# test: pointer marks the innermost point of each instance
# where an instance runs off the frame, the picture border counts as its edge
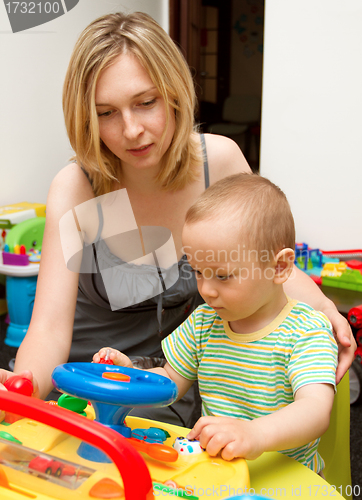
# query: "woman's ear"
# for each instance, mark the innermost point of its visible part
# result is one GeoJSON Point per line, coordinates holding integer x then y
{"type": "Point", "coordinates": [284, 261]}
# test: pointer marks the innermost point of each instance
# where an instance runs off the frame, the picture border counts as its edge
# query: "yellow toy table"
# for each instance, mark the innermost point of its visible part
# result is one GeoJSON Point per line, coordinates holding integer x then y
{"type": "Point", "coordinates": [54, 453]}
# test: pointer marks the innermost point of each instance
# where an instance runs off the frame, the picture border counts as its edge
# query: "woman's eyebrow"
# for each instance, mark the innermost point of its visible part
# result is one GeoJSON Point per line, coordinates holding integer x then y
{"type": "Point", "coordinates": [132, 97]}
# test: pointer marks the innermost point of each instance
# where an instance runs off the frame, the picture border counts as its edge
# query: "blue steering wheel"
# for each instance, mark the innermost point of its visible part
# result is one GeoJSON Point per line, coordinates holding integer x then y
{"type": "Point", "coordinates": [113, 399]}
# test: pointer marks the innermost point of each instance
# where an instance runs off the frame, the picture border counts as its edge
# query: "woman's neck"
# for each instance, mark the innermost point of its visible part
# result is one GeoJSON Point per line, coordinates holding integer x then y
{"type": "Point", "coordinates": [139, 181]}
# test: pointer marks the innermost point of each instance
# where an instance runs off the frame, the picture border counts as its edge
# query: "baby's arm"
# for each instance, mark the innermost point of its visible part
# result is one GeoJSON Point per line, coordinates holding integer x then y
{"type": "Point", "coordinates": [120, 359]}
{"type": "Point", "coordinates": [304, 420]}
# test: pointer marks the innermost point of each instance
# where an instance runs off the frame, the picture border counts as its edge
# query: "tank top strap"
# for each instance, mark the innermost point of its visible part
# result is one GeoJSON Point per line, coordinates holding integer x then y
{"type": "Point", "coordinates": [101, 222]}
{"type": "Point", "coordinates": [206, 163]}
{"type": "Point", "coordinates": [85, 173]}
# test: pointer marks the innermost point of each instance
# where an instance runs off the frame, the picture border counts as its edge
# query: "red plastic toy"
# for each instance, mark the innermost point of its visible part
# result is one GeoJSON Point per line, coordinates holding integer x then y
{"type": "Point", "coordinates": [134, 472]}
{"type": "Point", "coordinates": [20, 385]}
{"type": "Point", "coordinates": [355, 372]}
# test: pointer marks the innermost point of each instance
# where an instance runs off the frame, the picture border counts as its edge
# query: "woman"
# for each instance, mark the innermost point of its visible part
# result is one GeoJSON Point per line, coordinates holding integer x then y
{"type": "Point", "coordinates": [129, 111]}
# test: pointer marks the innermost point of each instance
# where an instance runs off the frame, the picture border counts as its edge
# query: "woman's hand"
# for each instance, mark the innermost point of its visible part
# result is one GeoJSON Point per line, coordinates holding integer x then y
{"type": "Point", "coordinates": [6, 375]}
{"type": "Point", "coordinates": [114, 355]}
{"type": "Point", "coordinates": [301, 287]}
{"type": "Point", "coordinates": [231, 436]}
{"type": "Point", "coordinates": [344, 338]}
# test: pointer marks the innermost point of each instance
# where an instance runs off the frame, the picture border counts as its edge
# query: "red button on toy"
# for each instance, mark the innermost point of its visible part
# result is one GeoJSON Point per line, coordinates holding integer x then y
{"type": "Point", "coordinates": [20, 385]}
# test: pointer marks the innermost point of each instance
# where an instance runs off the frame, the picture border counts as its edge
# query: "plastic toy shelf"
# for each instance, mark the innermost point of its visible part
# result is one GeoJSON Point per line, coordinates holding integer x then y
{"type": "Point", "coordinates": [23, 271]}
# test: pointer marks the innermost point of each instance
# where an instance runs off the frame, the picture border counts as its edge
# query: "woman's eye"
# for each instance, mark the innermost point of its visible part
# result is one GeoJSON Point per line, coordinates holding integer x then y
{"type": "Point", "coordinates": [147, 104]}
{"type": "Point", "coordinates": [105, 114]}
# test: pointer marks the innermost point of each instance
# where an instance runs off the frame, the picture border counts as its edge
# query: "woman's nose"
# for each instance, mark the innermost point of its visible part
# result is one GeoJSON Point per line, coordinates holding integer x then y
{"type": "Point", "coordinates": [132, 126]}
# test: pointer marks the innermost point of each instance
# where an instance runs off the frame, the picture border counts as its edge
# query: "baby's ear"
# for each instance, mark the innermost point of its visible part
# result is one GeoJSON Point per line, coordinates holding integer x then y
{"type": "Point", "coordinates": [284, 261]}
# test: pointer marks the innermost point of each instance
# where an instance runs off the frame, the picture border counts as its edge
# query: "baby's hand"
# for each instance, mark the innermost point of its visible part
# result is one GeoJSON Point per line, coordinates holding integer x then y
{"type": "Point", "coordinates": [117, 357]}
{"type": "Point", "coordinates": [232, 436]}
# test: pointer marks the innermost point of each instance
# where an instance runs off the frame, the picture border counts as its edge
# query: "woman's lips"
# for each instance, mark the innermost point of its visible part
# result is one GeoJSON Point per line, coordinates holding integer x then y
{"type": "Point", "coordinates": [142, 151]}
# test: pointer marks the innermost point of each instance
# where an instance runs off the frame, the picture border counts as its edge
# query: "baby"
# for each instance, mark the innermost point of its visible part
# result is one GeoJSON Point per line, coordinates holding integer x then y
{"type": "Point", "coordinates": [265, 363]}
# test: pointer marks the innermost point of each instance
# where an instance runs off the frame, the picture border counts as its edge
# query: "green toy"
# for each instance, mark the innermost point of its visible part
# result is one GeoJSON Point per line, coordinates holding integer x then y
{"type": "Point", "coordinates": [28, 233]}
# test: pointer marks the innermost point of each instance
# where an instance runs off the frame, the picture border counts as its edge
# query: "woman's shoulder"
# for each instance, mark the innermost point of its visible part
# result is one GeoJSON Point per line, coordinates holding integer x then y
{"type": "Point", "coordinates": [72, 184]}
{"type": "Point", "coordinates": [69, 188]}
{"type": "Point", "coordinates": [224, 157]}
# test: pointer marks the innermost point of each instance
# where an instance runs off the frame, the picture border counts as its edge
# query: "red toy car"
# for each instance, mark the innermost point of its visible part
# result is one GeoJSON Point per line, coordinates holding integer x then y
{"type": "Point", "coordinates": [51, 467]}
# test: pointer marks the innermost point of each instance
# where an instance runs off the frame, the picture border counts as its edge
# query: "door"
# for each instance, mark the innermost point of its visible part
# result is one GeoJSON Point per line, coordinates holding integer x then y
{"type": "Point", "coordinates": [202, 29]}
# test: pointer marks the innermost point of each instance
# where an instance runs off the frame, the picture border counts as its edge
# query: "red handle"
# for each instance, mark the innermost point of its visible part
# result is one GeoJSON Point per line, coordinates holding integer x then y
{"type": "Point", "coordinates": [133, 469]}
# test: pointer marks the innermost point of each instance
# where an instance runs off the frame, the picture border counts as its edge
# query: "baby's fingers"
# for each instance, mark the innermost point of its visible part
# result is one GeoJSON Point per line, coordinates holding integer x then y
{"type": "Point", "coordinates": [98, 356]}
{"type": "Point", "coordinates": [121, 359]}
{"type": "Point", "coordinates": [216, 443]}
{"type": "Point", "coordinates": [199, 426]}
{"type": "Point", "coordinates": [115, 357]}
{"type": "Point", "coordinates": [104, 354]}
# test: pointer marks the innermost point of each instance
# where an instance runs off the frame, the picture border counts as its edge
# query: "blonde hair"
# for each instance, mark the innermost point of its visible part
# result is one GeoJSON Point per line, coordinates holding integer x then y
{"type": "Point", "coordinates": [97, 47]}
{"type": "Point", "coordinates": [260, 208]}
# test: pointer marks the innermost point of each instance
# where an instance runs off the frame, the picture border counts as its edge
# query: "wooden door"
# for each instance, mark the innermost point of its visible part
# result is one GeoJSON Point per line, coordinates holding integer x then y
{"type": "Point", "coordinates": [185, 27]}
{"type": "Point", "coordinates": [202, 29]}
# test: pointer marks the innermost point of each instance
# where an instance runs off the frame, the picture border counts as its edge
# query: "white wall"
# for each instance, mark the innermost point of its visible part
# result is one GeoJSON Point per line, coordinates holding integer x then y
{"type": "Point", "coordinates": [312, 116]}
{"type": "Point", "coordinates": [33, 141]}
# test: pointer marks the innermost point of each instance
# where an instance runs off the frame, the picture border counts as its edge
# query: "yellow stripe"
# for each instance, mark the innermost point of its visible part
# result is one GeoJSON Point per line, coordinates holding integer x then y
{"type": "Point", "coordinates": [245, 385]}
{"type": "Point", "coordinates": [247, 404]}
{"type": "Point", "coordinates": [306, 370]}
{"type": "Point", "coordinates": [232, 363]}
{"type": "Point", "coordinates": [268, 348]}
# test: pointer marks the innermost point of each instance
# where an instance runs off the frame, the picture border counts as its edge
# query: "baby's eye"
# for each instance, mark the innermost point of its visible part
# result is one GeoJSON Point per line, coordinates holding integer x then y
{"type": "Point", "coordinates": [222, 277]}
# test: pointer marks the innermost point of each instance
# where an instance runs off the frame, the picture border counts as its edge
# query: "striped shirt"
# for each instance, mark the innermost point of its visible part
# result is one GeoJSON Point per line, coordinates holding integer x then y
{"type": "Point", "coordinates": [250, 375]}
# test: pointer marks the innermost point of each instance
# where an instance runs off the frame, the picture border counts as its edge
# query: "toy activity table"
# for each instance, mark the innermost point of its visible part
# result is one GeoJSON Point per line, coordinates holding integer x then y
{"type": "Point", "coordinates": [41, 455]}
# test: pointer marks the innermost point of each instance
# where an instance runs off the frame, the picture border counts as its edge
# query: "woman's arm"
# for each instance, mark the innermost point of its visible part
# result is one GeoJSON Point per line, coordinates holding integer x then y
{"type": "Point", "coordinates": [48, 340]}
{"type": "Point", "coordinates": [301, 287]}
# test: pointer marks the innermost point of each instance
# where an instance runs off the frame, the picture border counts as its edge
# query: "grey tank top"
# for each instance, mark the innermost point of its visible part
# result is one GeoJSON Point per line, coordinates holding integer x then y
{"type": "Point", "coordinates": [136, 330]}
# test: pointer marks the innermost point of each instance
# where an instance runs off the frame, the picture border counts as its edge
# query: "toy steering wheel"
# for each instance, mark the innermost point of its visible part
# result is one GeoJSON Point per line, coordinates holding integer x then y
{"type": "Point", "coordinates": [114, 390]}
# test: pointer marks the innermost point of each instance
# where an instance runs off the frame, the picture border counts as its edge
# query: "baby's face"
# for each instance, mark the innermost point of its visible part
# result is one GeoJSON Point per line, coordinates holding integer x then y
{"type": "Point", "coordinates": [230, 276]}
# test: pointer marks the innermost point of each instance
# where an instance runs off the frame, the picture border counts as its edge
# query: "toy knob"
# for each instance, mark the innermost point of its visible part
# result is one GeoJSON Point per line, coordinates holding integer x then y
{"type": "Point", "coordinates": [20, 385]}
{"type": "Point", "coordinates": [355, 317]}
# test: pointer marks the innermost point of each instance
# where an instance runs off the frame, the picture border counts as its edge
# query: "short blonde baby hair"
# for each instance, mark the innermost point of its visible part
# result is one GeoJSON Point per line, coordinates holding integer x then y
{"type": "Point", "coordinates": [261, 208]}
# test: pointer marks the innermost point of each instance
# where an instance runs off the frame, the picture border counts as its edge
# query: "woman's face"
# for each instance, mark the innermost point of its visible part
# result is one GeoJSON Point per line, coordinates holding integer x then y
{"type": "Point", "coordinates": [132, 114]}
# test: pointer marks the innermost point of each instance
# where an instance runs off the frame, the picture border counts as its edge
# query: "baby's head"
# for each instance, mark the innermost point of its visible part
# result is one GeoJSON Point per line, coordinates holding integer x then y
{"type": "Point", "coordinates": [240, 232]}
{"type": "Point", "coordinates": [253, 208]}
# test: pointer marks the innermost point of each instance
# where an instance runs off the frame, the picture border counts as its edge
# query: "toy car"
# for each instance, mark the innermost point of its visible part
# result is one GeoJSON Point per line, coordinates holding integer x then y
{"type": "Point", "coordinates": [50, 466]}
